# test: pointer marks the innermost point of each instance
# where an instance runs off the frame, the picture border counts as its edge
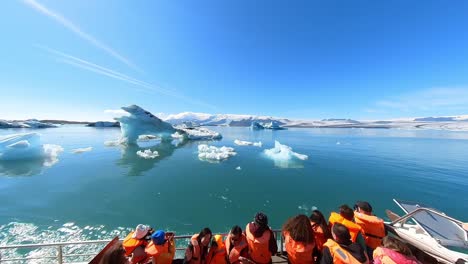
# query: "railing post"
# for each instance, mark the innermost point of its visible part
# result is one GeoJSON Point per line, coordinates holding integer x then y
{"type": "Point", "coordinates": [60, 255]}
{"type": "Point", "coordinates": [281, 241]}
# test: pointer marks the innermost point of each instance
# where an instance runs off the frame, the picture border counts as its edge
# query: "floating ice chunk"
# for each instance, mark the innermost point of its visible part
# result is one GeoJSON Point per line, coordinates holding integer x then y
{"type": "Point", "coordinates": [198, 133]}
{"type": "Point", "coordinates": [283, 153]}
{"type": "Point", "coordinates": [177, 135]}
{"type": "Point", "coordinates": [147, 137]}
{"type": "Point", "coordinates": [247, 143]}
{"type": "Point", "coordinates": [148, 154]}
{"type": "Point", "coordinates": [206, 152]}
{"type": "Point", "coordinates": [113, 143]}
{"type": "Point", "coordinates": [238, 168]}
{"type": "Point", "coordinates": [81, 150]}
{"type": "Point", "coordinates": [338, 143]}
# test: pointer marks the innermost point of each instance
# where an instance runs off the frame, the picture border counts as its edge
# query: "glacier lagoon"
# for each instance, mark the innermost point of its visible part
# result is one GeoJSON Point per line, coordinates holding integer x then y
{"type": "Point", "coordinates": [106, 191]}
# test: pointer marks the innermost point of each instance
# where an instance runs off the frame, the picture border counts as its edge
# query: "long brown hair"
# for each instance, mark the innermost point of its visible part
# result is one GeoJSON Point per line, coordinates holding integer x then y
{"type": "Point", "coordinates": [300, 229]}
{"type": "Point", "coordinates": [318, 219]}
{"type": "Point", "coordinates": [396, 245]}
{"type": "Point", "coordinates": [115, 255]}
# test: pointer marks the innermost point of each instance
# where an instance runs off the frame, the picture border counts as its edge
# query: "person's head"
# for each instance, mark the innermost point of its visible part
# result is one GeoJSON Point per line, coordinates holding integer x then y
{"type": "Point", "coordinates": [299, 229]}
{"type": "Point", "coordinates": [115, 255]}
{"type": "Point", "coordinates": [346, 212]}
{"type": "Point", "coordinates": [261, 220]}
{"type": "Point", "coordinates": [158, 237]}
{"type": "Point", "coordinates": [204, 236]}
{"type": "Point", "coordinates": [218, 240]}
{"type": "Point", "coordinates": [340, 233]}
{"type": "Point", "coordinates": [317, 218]}
{"type": "Point", "coordinates": [141, 231]}
{"type": "Point", "coordinates": [235, 233]}
{"type": "Point", "coordinates": [396, 245]}
{"type": "Point", "coordinates": [363, 207]}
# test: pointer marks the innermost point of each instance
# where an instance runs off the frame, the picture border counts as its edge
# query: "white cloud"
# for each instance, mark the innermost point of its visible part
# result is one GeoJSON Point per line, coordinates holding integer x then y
{"type": "Point", "coordinates": [75, 29]}
{"type": "Point", "coordinates": [116, 112]}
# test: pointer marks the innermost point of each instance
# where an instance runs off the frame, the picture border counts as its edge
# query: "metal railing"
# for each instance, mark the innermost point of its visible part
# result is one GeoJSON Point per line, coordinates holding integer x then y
{"type": "Point", "coordinates": [60, 256]}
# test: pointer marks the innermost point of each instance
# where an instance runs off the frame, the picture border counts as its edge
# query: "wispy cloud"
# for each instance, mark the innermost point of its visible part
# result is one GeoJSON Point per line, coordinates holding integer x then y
{"type": "Point", "coordinates": [429, 100]}
{"type": "Point", "coordinates": [98, 69]}
{"type": "Point", "coordinates": [75, 29]}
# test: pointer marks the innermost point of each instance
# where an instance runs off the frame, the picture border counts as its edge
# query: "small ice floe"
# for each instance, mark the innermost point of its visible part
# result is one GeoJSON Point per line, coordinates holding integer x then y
{"type": "Point", "coordinates": [147, 154]}
{"type": "Point", "coordinates": [206, 152]}
{"type": "Point", "coordinates": [81, 150]}
{"type": "Point", "coordinates": [247, 143]}
{"type": "Point", "coordinates": [338, 143]}
{"type": "Point", "coordinates": [283, 152]}
{"type": "Point", "coordinates": [238, 168]}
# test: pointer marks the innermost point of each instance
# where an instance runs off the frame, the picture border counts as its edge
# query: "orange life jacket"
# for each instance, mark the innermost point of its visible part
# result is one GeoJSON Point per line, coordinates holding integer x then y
{"type": "Point", "coordinates": [354, 229]}
{"type": "Point", "coordinates": [236, 250]}
{"type": "Point", "coordinates": [319, 236]}
{"type": "Point", "coordinates": [298, 253]}
{"type": "Point", "coordinates": [163, 254]}
{"type": "Point", "coordinates": [259, 249]}
{"type": "Point", "coordinates": [341, 256]}
{"type": "Point", "coordinates": [373, 227]}
{"type": "Point", "coordinates": [217, 255]}
{"type": "Point", "coordinates": [130, 243]}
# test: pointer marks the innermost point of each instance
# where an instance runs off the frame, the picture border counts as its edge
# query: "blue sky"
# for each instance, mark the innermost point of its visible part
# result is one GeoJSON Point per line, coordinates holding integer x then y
{"type": "Point", "coordinates": [298, 59]}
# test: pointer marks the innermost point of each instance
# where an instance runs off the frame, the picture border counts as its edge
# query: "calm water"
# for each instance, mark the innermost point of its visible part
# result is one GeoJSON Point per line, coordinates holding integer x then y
{"type": "Point", "coordinates": [104, 192]}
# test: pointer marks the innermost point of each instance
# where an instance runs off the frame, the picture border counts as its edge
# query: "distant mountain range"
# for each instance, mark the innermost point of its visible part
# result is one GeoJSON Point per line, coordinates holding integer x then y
{"type": "Point", "coordinates": [233, 120]}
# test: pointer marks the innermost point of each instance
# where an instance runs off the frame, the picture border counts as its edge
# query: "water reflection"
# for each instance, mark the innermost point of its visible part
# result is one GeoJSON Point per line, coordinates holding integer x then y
{"type": "Point", "coordinates": [21, 167]}
{"type": "Point", "coordinates": [138, 165]}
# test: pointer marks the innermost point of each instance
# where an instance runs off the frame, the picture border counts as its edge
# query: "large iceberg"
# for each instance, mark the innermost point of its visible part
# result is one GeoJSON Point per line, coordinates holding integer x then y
{"type": "Point", "coordinates": [274, 125]}
{"type": "Point", "coordinates": [283, 155]}
{"type": "Point", "coordinates": [206, 152]}
{"type": "Point", "coordinates": [141, 122]}
{"type": "Point", "coordinates": [27, 147]}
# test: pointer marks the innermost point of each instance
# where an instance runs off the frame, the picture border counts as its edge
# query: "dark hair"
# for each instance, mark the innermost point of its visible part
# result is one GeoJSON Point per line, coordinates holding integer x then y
{"type": "Point", "coordinates": [114, 255]}
{"type": "Point", "coordinates": [261, 221]}
{"type": "Point", "coordinates": [214, 243]}
{"type": "Point", "coordinates": [341, 233]}
{"type": "Point", "coordinates": [346, 212]}
{"type": "Point", "coordinates": [300, 229]}
{"type": "Point", "coordinates": [205, 231]}
{"type": "Point", "coordinates": [236, 230]}
{"type": "Point", "coordinates": [318, 219]}
{"type": "Point", "coordinates": [364, 206]}
{"type": "Point", "coordinates": [396, 245]}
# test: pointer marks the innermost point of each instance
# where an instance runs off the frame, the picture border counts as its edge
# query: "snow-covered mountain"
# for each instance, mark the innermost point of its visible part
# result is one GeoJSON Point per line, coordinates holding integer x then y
{"type": "Point", "coordinates": [221, 119]}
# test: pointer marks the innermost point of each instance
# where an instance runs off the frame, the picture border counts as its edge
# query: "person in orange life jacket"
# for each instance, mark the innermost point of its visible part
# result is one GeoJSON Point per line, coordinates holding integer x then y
{"type": "Point", "coordinates": [161, 249]}
{"type": "Point", "coordinates": [321, 230]}
{"type": "Point", "coordinates": [372, 226]}
{"type": "Point", "coordinates": [341, 249]}
{"type": "Point", "coordinates": [346, 218]}
{"type": "Point", "coordinates": [136, 241]}
{"type": "Point", "coordinates": [299, 240]}
{"type": "Point", "coordinates": [236, 245]}
{"type": "Point", "coordinates": [261, 239]}
{"type": "Point", "coordinates": [115, 255]}
{"type": "Point", "coordinates": [197, 250]}
{"type": "Point", "coordinates": [217, 251]}
{"type": "Point", "coordinates": [394, 251]}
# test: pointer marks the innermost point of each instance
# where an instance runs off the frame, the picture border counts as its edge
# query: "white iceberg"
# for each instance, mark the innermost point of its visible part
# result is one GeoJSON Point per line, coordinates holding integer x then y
{"type": "Point", "coordinates": [282, 153]}
{"type": "Point", "coordinates": [238, 168]}
{"type": "Point", "coordinates": [200, 133]}
{"type": "Point", "coordinates": [206, 152]}
{"type": "Point", "coordinates": [247, 143]}
{"type": "Point", "coordinates": [141, 122]}
{"type": "Point", "coordinates": [81, 150]}
{"type": "Point", "coordinates": [28, 146]}
{"type": "Point", "coordinates": [148, 154]}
